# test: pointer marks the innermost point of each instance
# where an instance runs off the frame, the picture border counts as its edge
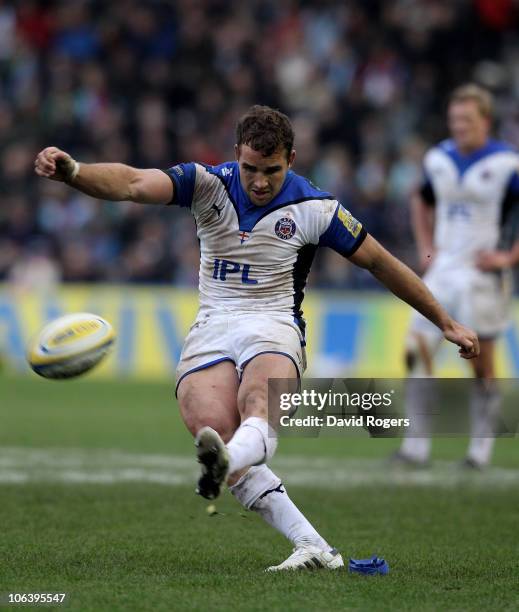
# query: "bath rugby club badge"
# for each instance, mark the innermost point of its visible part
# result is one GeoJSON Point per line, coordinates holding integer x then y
{"type": "Point", "coordinates": [285, 228]}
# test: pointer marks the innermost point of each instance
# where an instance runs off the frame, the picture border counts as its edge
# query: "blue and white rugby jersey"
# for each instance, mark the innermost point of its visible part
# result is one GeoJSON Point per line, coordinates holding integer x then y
{"type": "Point", "coordinates": [472, 195]}
{"type": "Point", "coordinates": [257, 258]}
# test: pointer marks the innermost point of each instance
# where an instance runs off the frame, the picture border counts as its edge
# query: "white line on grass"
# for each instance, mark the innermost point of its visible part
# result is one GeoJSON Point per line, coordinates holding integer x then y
{"type": "Point", "coordinates": [69, 465]}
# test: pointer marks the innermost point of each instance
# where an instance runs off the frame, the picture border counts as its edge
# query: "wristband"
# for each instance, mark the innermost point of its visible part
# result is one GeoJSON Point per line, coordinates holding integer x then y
{"type": "Point", "coordinates": [74, 172]}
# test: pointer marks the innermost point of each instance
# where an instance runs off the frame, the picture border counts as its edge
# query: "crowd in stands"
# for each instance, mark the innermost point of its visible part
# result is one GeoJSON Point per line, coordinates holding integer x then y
{"type": "Point", "coordinates": [154, 83]}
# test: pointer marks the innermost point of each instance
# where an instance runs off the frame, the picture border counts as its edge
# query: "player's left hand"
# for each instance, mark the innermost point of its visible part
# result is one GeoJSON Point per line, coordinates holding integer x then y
{"type": "Point", "coordinates": [487, 261]}
{"type": "Point", "coordinates": [464, 337]}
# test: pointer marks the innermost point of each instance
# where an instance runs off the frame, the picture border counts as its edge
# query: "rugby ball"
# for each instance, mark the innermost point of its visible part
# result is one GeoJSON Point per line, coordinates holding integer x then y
{"type": "Point", "coordinates": [70, 346]}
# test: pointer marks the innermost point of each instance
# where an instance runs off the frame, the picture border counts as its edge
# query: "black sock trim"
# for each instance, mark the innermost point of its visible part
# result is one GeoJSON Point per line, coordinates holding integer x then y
{"type": "Point", "coordinates": [278, 489]}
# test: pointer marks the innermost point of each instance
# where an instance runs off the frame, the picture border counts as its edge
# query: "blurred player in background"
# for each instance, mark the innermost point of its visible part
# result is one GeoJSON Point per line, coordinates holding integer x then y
{"type": "Point", "coordinates": [465, 239]}
{"type": "Point", "coordinates": [259, 226]}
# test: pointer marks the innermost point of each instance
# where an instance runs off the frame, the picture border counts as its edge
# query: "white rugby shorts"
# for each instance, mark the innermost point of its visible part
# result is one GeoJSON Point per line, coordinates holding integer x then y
{"type": "Point", "coordinates": [479, 300]}
{"type": "Point", "coordinates": [238, 337]}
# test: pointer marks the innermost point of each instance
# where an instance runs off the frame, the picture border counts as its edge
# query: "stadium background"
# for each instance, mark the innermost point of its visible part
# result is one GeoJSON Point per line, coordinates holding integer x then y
{"type": "Point", "coordinates": [155, 83]}
{"type": "Point", "coordinates": [97, 475]}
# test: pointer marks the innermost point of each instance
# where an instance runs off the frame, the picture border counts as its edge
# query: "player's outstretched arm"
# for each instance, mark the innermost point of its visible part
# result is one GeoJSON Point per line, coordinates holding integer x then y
{"type": "Point", "coordinates": [406, 285]}
{"type": "Point", "coordinates": [116, 182]}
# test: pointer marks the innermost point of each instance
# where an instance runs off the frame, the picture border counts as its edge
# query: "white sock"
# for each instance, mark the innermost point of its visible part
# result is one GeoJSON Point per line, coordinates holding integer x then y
{"type": "Point", "coordinates": [417, 449]}
{"type": "Point", "coordinates": [250, 444]}
{"type": "Point", "coordinates": [262, 491]}
{"type": "Point", "coordinates": [485, 403]}
{"type": "Point", "coordinates": [418, 395]}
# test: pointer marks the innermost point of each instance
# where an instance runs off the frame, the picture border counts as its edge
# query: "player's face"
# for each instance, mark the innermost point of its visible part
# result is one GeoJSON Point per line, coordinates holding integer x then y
{"type": "Point", "coordinates": [262, 177]}
{"type": "Point", "coordinates": [467, 125]}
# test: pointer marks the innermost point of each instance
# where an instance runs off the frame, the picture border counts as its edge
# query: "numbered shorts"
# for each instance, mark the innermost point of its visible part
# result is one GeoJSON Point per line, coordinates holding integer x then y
{"type": "Point", "coordinates": [476, 299]}
{"type": "Point", "coordinates": [238, 338]}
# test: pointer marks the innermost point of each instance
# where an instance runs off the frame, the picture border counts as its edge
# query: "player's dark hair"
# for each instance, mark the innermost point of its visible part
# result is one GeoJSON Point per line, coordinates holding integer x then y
{"type": "Point", "coordinates": [265, 129]}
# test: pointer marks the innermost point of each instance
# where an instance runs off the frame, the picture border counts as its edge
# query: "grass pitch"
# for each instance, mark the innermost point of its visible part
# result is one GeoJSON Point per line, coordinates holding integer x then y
{"type": "Point", "coordinates": [97, 501]}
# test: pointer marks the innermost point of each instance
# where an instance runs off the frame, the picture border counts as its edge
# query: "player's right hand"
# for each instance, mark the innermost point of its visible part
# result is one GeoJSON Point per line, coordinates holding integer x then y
{"type": "Point", "coordinates": [55, 164]}
{"type": "Point", "coordinates": [464, 337]}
